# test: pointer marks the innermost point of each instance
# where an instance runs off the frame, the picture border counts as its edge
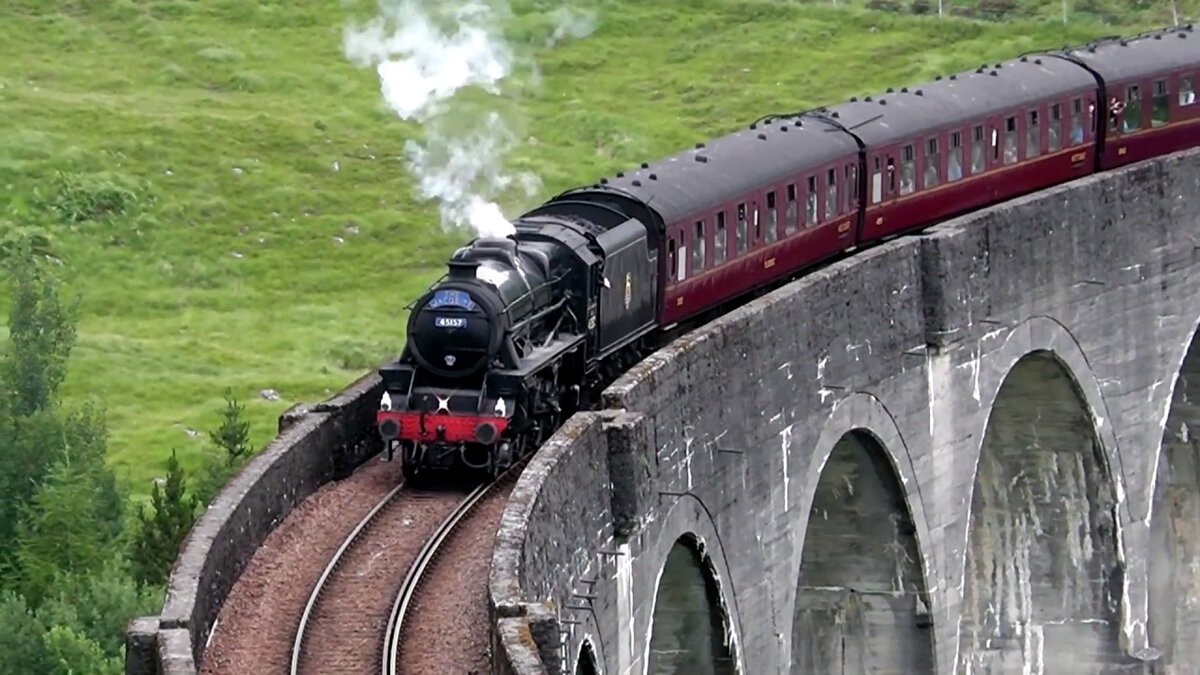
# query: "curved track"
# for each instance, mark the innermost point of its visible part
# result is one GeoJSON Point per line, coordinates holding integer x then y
{"type": "Point", "coordinates": [334, 562]}
{"type": "Point", "coordinates": [426, 561]}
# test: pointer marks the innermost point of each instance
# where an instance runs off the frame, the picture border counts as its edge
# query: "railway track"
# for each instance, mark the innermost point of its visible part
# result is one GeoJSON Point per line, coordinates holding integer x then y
{"type": "Point", "coordinates": [301, 632]}
{"type": "Point", "coordinates": [426, 561]}
{"type": "Point", "coordinates": [342, 623]}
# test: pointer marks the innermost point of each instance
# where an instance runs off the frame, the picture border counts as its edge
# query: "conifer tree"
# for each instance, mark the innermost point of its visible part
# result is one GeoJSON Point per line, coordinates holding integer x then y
{"type": "Point", "coordinates": [234, 433]}
{"type": "Point", "coordinates": [163, 528]}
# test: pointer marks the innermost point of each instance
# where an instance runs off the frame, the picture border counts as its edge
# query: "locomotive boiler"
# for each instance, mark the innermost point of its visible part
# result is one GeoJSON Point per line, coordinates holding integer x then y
{"type": "Point", "coordinates": [510, 341]}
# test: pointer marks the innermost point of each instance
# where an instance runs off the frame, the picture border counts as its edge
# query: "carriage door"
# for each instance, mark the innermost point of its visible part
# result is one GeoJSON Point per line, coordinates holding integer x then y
{"type": "Point", "coordinates": [852, 190]}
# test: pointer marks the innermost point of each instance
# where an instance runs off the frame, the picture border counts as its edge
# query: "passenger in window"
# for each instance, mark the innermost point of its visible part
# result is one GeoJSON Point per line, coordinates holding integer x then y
{"type": "Point", "coordinates": [1010, 149]}
{"type": "Point", "coordinates": [954, 170]}
{"type": "Point", "coordinates": [1115, 109]}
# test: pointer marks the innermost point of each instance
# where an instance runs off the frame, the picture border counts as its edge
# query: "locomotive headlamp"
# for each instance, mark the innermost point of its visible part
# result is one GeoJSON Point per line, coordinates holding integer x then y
{"type": "Point", "coordinates": [485, 433]}
{"type": "Point", "coordinates": [385, 403]}
{"type": "Point", "coordinates": [389, 429]}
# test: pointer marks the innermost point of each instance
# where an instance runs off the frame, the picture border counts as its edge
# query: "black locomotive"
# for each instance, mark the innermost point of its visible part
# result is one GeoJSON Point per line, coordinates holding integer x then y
{"type": "Point", "coordinates": [518, 335]}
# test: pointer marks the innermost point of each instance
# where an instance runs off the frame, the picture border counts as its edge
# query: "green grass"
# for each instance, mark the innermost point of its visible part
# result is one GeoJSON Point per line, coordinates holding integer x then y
{"type": "Point", "coordinates": [210, 128]}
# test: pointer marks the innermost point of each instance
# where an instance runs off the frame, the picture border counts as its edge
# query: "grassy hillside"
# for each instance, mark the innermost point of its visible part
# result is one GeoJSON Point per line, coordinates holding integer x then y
{"type": "Point", "coordinates": [228, 251]}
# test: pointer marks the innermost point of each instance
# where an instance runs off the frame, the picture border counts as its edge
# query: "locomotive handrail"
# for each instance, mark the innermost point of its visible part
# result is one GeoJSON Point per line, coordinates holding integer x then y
{"type": "Point", "coordinates": [533, 317]}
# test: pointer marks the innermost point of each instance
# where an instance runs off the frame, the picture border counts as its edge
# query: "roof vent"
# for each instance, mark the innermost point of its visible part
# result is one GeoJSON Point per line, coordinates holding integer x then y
{"type": "Point", "coordinates": [835, 115]}
{"type": "Point", "coordinates": [1124, 43]}
{"type": "Point", "coordinates": [620, 174]}
{"type": "Point", "coordinates": [891, 91]}
{"type": "Point", "coordinates": [645, 165]}
{"type": "Point", "coordinates": [653, 176]}
{"type": "Point", "coordinates": [783, 128]}
{"type": "Point", "coordinates": [854, 99]}
{"type": "Point", "coordinates": [919, 92]}
{"type": "Point", "coordinates": [762, 137]}
{"type": "Point", "coordinates": [637, 183]}
{"type": "Point", "coordinates": [769, 121]}
{"type": "Point", "coordinates": [938, 78]}
{"type": "Point", "coordinates": [798, 123]}
{"type": "Point", "coordinates": [604, 181]}
{"type": "Point", "coordinates": [954, 77]}
{"type": "Point", "coordinates": [1037, 61]}
{"type": "Point", "coordinates": [702, 159]}
{"type": "Point", "coordinates": [883, 101]}
{"type": "Point", "coordinates": [867, 98]}
{"type": "Point", "coordinates": [999, 65]}
{"type": "Point", "coordinates": [1024, 59]}
{"type": "Point", "coordinates": [699, 145]}
{"type": "Point", "coordinates": [903, 90]}
{"type": "Point", "coordinates": [753, 126]}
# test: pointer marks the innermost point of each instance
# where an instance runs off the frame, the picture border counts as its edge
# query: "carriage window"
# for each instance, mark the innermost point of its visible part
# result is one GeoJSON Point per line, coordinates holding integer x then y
{"type": "Point", "coordinates": [891, 171]}
{"type": "Point", "coordinates": [932, 162]}
{"type": "Point", "coordinates": [672, 261]}
{"type": "Point", "coordinates": [1187, 93]}
{"type": "Point", "coordinates": [810, 203]}
{"type": "Point", "coordinates": [1161, 104]}
{"type": "Point", "coordinates": [851, 186]}
{"type": "Point", "coordinates": [831, 194]}
{"type": "Point", "coordinates": [719, 240]}
{"type": "Point", "coordinates": [1010, 140]}
{"type": "Point", "coordinates": [1054, 131]}
{"type": "Point", "coordinates": [978, 158]}
{"type": "Point", "coordinates": [699, 250]}
{"type": "Point", "coordinates": [877, 183]}
{"type": "Point", "coordinates": [1033, 135]}
{"type": "Point", "coordinates": [995, 145]}
{"type": "Point", "coordinates": [954, 159]}
{"type": "Point", "coordinates": [757, 224]}
{"type": "Point", "coordinates": [772, 218]}
{"type": "Point", "coordinates": [741, 229]}
{"type": "Point", "coordinates": [1133, 109]}
{"type": "Point", "coordinates": [792, 216]}
{"type": "Point", "coordinates": [908, 170]}
{"type": "Point", "coordinates": [1077, 122]}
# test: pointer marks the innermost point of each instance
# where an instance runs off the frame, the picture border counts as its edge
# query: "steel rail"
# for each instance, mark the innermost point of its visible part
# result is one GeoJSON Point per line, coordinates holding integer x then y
{"type": "Point", "coordinates": [319, 587]}
{"type": "Point", "coordinates": [428, 555]}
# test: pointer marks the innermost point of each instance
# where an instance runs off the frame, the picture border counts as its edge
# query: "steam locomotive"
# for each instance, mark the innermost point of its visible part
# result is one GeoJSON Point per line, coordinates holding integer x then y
{"type": "Point", "coordinates": [525, 330]}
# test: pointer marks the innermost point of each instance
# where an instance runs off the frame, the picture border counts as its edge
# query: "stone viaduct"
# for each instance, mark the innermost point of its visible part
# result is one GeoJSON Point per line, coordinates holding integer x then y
{"type": "Point", "coordinates": [968, 451]}
{"type": "Point", "coordinates": [971, 450]}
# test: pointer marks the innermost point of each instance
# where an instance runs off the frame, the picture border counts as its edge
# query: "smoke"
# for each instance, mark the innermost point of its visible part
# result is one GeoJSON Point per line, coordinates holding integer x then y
{"type": "Point", "coordinates": [426, 54]}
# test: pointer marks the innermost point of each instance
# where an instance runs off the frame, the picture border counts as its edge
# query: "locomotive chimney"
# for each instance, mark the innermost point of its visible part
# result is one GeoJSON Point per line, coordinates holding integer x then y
{"type": "Point", "coordinates": [462, 269]}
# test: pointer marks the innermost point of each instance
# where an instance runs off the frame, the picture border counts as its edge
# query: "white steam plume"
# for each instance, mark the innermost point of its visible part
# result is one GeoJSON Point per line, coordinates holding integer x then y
{"type": "Point", "coordinates": [424, 54]}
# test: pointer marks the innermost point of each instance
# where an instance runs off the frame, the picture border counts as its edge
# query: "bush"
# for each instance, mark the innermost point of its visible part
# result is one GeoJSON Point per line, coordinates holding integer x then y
{"type": "Point", "coordinates": [77, 199]}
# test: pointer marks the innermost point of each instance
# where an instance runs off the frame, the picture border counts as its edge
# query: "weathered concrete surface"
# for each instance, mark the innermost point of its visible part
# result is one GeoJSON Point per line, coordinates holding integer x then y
{"type": "Point", "coordinates": [315, 445]}
{"type": "Point", "coordinates": [909, 345]}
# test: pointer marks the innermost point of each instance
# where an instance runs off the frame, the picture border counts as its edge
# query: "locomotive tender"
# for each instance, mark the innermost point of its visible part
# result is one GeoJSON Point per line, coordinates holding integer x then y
{"type": "Point", "coordinates": [525, 330]}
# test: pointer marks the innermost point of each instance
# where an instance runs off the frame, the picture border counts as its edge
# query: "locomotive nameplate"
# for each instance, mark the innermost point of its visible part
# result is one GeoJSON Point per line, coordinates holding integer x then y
{"type": "Point", "coordinates": [450, 322]}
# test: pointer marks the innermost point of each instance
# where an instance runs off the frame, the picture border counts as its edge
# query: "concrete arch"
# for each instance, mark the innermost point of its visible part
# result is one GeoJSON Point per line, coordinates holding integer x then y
{"type": "Point", "coordinates": [1043, 583]}
{"type": "Point", "coordinates": [586, 660]}
{"type": "Point", "coordinates": [1045, 334]}
{"type": "Point", "coordinates": [689, 524]}
{"type": "Point", "coordinates": [861, 603]}
{"type": "Point", "coordinates": [864, 415]}
{"type": "Point", "coordinates": [1174, 508]}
